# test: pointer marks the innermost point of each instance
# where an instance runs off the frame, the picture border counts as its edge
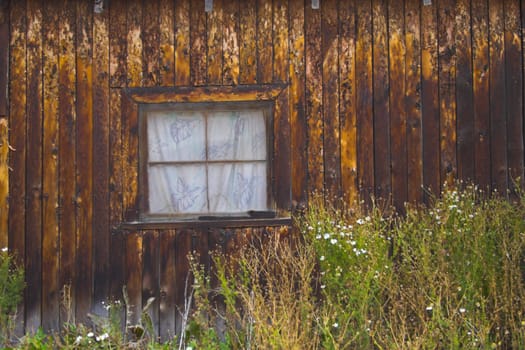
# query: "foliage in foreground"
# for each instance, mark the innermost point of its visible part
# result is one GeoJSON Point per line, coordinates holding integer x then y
{"type": "Point", "coordinates": [11, 288]}
{"type": "Point", "coordinates": [446, 277]}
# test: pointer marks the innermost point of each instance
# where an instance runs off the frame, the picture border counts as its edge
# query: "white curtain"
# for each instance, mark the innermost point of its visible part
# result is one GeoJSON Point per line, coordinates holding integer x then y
{"type": "Point", "coordinates": [206, 162]}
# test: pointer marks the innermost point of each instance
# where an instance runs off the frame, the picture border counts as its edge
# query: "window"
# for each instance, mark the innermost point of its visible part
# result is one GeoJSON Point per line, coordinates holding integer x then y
{"type": "Point", "coordinates": [203, 160]}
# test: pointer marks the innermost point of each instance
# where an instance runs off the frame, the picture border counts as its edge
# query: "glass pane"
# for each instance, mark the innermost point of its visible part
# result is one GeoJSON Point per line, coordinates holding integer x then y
{"type": "Point", "coordinates": [237, 187]}
{"type": "Point", "coordinates": [176, 136]}
{"type": "Point", "coordinates": [177, 189]}
{"type": "Point", "coordinates": [237, 135]}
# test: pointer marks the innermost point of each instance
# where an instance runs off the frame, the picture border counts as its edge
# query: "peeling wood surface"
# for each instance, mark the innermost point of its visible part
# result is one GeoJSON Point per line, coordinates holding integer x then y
{"type": "Point", "coordinates": [372, 97]}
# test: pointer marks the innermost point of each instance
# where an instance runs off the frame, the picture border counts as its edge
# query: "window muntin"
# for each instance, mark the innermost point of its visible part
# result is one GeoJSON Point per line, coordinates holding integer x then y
{"type": "Point", "coordinates": [203, 159]}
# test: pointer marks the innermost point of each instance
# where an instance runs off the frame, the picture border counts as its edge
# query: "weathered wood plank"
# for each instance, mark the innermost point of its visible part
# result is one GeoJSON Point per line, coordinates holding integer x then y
{"type": "Point", "coordinates": [498, 97]}
{"type": "Point", "coordinates": [151, 43]}
{"type": "Point", "coordinates": [184, 280]}
{"type": "Point", "coordinates": [130, 158]}
{"type": "Point", "coordinates": [480, 84]}
{"type": "Point", "coordinates": [398, 114]}
{"type": "Point", "coordinates": [282, 170]}
{"type": "Point", "coordinates": [364, 103]}
{"type": "Point", "coordinates": [347, 107]}
{"type": "Point", "coordinates": [115, 195]}
{"type": "Point", "coordinates": [215, 30]}
{"type": "Point", "coordinates": [330, 79]}
{"type": "Point", "coordinates": [248, 42]}
{"type": "Point", "coordinates": [150, 276]}
{"type": "Point", "coordinates": [314, 97]}
{"type": "Point", "coordinates": [514, 94]}
{"type": "Point", "coordinates": [182, 45]}
{"type": "Point", "coordinates": [134, 263]}
{"type": "Point", "coordinates": [135, 45]}
{"type": "Point", "coordinates": [381, 141]}
{"type": "Point", "coordinates": [118, 41]}
{"type": "Point", "coordinates": [429, 99]}
{"type": "Point", "coordinates": [4, 59]}
{"type": "Point", "coordinates": [4, 182]}
{"type": "Point", "coordinates": [464, 93]}
{"type": "Point", "coordinates": [264, 42]}
{"type": "Point", "coordinates": [168, 285]}
{"type": "Point", "coordinates": [230, 43]}
{"type": "Point", "coordinates": [413, 100]}
{"type": "Point", "coordinates": [197, 43]}
{"type": "Point", "coordinates": [17, 135]}
{"type": "Point", "coordinates": [34, 266]}
{"type": "Point", "coordinates": [83, 131]}
{"type": "Point", "coordinates": [280, 41]}
{"type": "Point", "coordinates": [447, 89]}
{"type": "Point", "coordinates": [167, 43]}
{"type": "Point", "coordinates": [98, 143]}
{"type": "Point", "coordinates": [299, 157]}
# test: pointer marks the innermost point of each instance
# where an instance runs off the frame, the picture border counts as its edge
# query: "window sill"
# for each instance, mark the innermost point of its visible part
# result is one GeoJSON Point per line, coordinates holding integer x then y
{"type": "Point", "coordinates": [234, 222]}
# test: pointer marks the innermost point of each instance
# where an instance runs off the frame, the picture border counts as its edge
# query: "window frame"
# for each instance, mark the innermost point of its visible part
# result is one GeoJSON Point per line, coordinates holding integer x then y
{"type": "Point", "coordinates": [267, 107]}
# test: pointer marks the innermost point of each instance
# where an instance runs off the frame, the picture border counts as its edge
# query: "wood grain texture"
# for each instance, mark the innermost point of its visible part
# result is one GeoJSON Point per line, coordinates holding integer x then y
{"type": "Point", "coordinates": [381, 87]}
{"type": "Point", "coordinates": [167, 43]}
{"type": "Point", "coordinates": [347, 107]}
{"type": "Point", "coordinates": [314, 97]}
{"type": "Point", "coordinates": [197, 43]}
{"type": "Point", "coordinates": [182, 42]}
{"type": "Point", "coordinates": [230, 43]}
{"type": "Point", "coordinates": [447, 89]}
{"type": "Point", "coordinates": [167, 285]}
{"type": "Point", "coordinates": [480, 85]}
{"type": "Point", "coordinates": [97, 142]}
{"type": "Point", "coordinates": [264, 41]}
{"type": "Point", "coordinates": [299, 156]}
{"type": "Point", "coordinates": [498, 97]}
{"type": "Point", "coordinates": [80, 126]}
{"type": "Point", "coordinates": [215, 31]}
{"type": "Point", "coordinates": [430, 100]}
{"type": "Point", "coordinates": [130, 154]}
{"type": "Point", "coordinates": [135, 44]}
{"type": "Point", "coordinates": [330, 79]}
{"type": "Point", "coordinates": [398, 107]}
{"type": "Point", "coordinates": [33, 228]}
{"type": "Point", "coordinates": [364, 101]}
{"type": "Point", "coordinates": [280, 41]}
{"type": "Point", "coordinates": [4, 181]}
{"type": "Point", "coordinates": [413, 100]}
{"type": "Point", "coordinates": [150, 277]}
{"type": "Point", "coordinates": [4, 59]}
{"type": "Point", "coordinates": [184, 278]}
{"type": "Point", "coordinates": [151, 53]}
{"type": "Point", "coordinates": [464, 92]}
{"type": "Point", "coordinates": [248, 41]}
{"type": "Point", "coordinates": [134, 263]}
{"type": "Point", "coordinates": [118, 43]}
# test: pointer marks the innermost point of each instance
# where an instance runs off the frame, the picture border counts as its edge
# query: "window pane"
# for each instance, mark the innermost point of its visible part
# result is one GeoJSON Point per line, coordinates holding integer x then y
{"type": "Point", "coordinates": [176, 136]}
{"type": "Point", "coordinates": [177, 189]}
{"type": "Point", "coordinates": [237, 135]}
{"type": "Point", "coordinates": [237, 187]}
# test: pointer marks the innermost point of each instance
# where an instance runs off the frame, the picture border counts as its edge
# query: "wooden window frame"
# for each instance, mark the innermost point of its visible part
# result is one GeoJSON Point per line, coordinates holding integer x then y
{"type": "Point", "coordinates": [271, 96]}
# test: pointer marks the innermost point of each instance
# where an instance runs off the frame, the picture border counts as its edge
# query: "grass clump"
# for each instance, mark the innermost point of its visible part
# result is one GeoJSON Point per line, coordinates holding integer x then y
{"type": "Point", "coordinates": [11, 287]}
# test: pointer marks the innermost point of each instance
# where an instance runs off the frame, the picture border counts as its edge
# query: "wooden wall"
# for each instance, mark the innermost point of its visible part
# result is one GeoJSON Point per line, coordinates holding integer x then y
{"type": "Point", "coordinates": [384, 97]}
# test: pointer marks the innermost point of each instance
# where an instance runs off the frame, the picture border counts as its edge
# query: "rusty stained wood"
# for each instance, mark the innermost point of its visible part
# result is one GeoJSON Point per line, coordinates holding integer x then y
{"type": "Point", "coordinates": [430, 100]}
{"type": "Point", "coordinates": [96, 141]}
{"type": "Point", "coordinates": [481, 94]}
{"type": "Point", "coordinates": [398, 108]}
{"type": "Point", "coordinates": [413, 101]}
{"type": "Point", "coordinates": [248, 42]}
{"type": "Point", "coordinates": [381, 110]}
{"type": "Point", "coordinates": [79, 135]}
{"type": "Point", "coordinates": [264, 42]}
{"type": "Point", "coordinates": [464, 92]}
{"type": "Point", "coordinates": [498, 97]}
{"type": "Point", "coordinates": [130, 158]}
{"type": "Point", "coordinates": [330, 101]}
{"type": "Point", "coordinates": [299, 156]}
{"type": "Point", "coordinates": [34, 265]}
{"type": "Point", "coordinates": [118, 43]}
{"type": "Point", "coordinates": [167, 43]}
{"type": "Point", "coordinates": [150, 276]}
{"type": "Point", "coordinates": [514, 95]}
{"type": "Point", "coordinates": [230, 43]}
{"type": "Point", "coordinates": [183, 247]}
{"type": "Point", "coordinates": [151, 43]}
{"type": "Point", "coordinates": [364, 101]}
{"type": "Point", "coordinates": [197, 28]}
{"type": "Point", "coordinates": [280, 41]}
{"type": "Point", "coordinates": [135, 45]}
{"type": "Point", "coordinates": [215, 31]}
{"type": "Point", "coordinates": [347, 97]}
{"type": "Point", "coordinates": [4, 181]}
{"type": "Point", "coordinates": [182, 42]}
{"type": "Point", "coordinates": [4, 59]}
{"type": "Point", "coordinates": [314, 97]}
{"type": "Point", "coordinates": [134, 272]}
{"type": "Point", "coordinates": [447, 89]}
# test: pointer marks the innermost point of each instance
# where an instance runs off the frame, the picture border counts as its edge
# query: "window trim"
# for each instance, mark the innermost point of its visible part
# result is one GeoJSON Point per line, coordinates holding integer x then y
{"type": "Point", "coordinates": [280, 186]}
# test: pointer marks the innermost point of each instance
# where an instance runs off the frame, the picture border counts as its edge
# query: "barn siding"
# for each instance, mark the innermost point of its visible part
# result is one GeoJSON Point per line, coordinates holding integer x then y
{"type": "Point", "coordinates": [383, 98]}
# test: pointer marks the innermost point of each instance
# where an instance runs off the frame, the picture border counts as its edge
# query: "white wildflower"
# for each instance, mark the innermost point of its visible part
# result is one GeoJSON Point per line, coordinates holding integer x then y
{"type": "Point", "coordinates": [333, 241]}
{"type": "Point", "coordinates": [335, 325]}
{"type": "Point", "coordinates": [78, 340]}
{"type": "Point", "coordinates": [462, 310]}
{"type": "Point", "coordinates": [322, 258]}
{"type": "Point", "coordinates": [326, 235]}
{"type": "Point", "coordinates": [429, 308]}
{"type": "Point", "coordinates": [4, 249]}
{"type": "Point", "coordinates": [90, 334]}
{"type": "Point", "coordinates": [360, 221]}
{"type": "Point", "coordinates": [318, 237]}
